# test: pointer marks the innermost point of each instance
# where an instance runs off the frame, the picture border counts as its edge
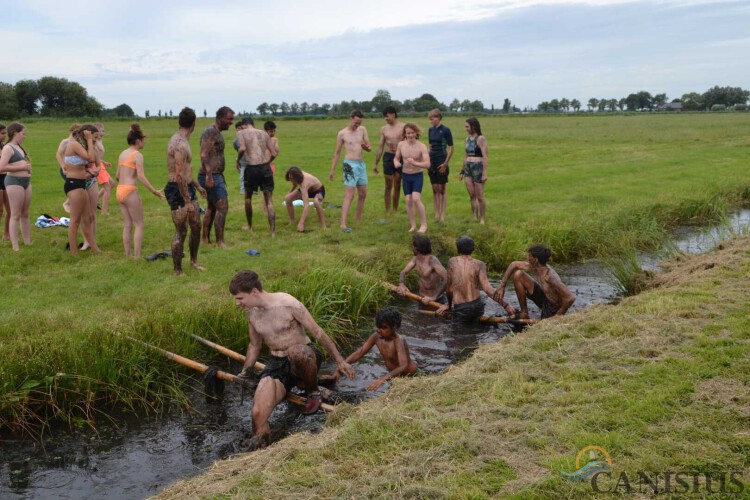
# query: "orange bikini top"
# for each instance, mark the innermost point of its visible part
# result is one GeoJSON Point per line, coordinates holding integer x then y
{"type": "Point", "coordinates": [129, 163]}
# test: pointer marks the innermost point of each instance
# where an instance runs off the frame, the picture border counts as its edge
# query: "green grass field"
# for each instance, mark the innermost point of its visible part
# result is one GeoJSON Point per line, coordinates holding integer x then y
{"type": "Point", "coordinates": [584, 185]}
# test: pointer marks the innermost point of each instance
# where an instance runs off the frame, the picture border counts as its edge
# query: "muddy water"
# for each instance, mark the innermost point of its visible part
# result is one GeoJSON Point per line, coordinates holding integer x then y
{"type": "Point", "coordinates": [140, 456]}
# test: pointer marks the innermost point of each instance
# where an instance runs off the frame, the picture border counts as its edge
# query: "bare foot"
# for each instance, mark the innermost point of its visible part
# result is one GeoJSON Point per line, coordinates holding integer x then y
{"type": "Point", "coordinates": [422, 229]}
{"type": "Point", "coordinates": [412, 229]}
{"type": "Point", "coordinates": [178, 272]}
{"type": "Point", "coordinates": [197, 266]}
{"type": "Point", "coordinates": [221, 244]}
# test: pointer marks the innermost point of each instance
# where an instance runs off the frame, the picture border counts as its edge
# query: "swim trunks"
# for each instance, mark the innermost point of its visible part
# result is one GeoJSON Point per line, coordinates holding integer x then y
{"type": "Point", "coordinates": [216, 193]}
{"type": "Point", "coordinates": [435, 176]}
{"type": "Point", "coordinates": [412, 183]}
{"type": "Point", "coordinates": [174, 198]}
{"type": "Point", "coordinates": [2, 181]}
{"type": "Point", "coordinates": [73, 184]}
{"type": "Point", "coordinates": [355, 173]}
{"type": "Point", "coordinates": [259, 176]}
{"type": "Point", "coordinates": [468, 312]}
{"type": "Point", "coordinates": [281, 369]}
{"type": "Point", "coordinates": [321, 192]}
{"type": "Point", "coordinates": [389, 168]}
{"type": "Point", "coordinates": [539, 298]}
{"type": "Point", "coordinates": [475, 170]}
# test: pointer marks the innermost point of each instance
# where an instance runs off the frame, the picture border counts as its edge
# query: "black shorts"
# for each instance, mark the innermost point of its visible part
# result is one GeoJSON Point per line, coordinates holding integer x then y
{"type": "Point", "coordinates": [468, 312]}
{"type": "Point", "coordinates": [73, 184]}
{"type": "Point", "coordinates": [321, 192]}
{"type": "Point", "coordinates": [435, 176]}
{"type": "Point", "coordinates": [2, 182]}
{"type": "Point", "coordinates": [542, 302]}
{"type": "Point", "coordinates": [174, 197]}
{"type": "Point", "coordinates": [258, 176]}
{"type": "Point", "coordinates": [281, 369]}
{"type": "Point", "coordinates": [389, 168]}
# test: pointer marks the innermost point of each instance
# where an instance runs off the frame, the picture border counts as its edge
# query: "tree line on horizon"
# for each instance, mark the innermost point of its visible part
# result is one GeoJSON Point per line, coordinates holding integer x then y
{"type": "Point", "coordinates": [58, 97]}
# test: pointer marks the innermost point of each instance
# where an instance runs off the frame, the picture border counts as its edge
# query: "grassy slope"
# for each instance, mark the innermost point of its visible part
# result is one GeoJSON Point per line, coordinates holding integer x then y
{"type": "Point", "coordinates": [585, 185]}
{"type": "Point", "coordinates": [661, 381]}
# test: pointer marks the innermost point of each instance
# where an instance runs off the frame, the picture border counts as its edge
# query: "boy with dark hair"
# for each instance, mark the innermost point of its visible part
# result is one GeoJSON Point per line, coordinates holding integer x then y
{"type": "Point", "coordinates": [550, 294]}
{"type": "Point", "coordinates": [211, 175]}
{"type": "Point", "coordinates": [466, 276]}
{"type": "Point", "coordinates": [391, 345]}
{"type": "Point", "coordinates": [390, 135]}
{"type": "Point", "coordinates": [305, 187]}
{"type": "Point", "coordinates": [280, 320]}
{"type": "Point", "coordinates": [432, 275]}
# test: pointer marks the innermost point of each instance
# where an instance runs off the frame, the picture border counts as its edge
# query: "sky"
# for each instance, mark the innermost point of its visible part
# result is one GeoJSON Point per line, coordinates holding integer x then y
{"type": "Point", "coordinates": [163, 55]}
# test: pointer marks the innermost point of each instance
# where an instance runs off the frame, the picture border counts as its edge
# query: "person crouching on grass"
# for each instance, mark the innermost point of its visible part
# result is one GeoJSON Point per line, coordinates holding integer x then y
{"type": "Point", "coordinates": [391, 345]}
{"type": "Point", "coordinates": [305, 187]}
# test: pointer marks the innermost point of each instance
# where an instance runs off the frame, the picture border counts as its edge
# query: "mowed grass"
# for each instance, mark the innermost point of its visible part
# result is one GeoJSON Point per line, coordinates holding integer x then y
{"type": "Point", "coordinates": [660, 381]}
{"type": "Point", "coordinates": [584, 185]}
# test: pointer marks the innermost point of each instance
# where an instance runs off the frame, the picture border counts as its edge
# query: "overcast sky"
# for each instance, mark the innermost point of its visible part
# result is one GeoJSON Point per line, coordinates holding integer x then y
{"type": "Point", "coordinates": [169, 54]}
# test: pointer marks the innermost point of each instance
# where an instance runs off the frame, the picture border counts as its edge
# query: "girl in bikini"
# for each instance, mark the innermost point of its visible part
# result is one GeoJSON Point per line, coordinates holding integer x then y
{"type": "Point", "coordinates": [79, 153]}
{"type": "Point", "coordinates": [4, 203]}
{"type": "Point", "coordinates": [129, 171]}
{"type": "Point", "coordinates": [16, 164]}
{"type": "Point", "coordinates": [105, 180]}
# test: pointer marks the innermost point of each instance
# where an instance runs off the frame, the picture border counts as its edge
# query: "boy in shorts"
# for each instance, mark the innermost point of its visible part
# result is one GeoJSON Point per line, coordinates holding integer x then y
{"type": "Point", "coordinates": [353, 138]}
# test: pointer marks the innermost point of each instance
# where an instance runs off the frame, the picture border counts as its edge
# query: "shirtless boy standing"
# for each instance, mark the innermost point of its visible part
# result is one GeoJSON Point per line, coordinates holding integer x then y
{"type": "Point", "coordinates": [466, 276]}
{"type": "Point", "coordinates": [550, 294]}
{"type": "Point", "coordinates": [413, 157]}
{"type": "Point", "coordinates": [280, 320]}
{"type": "Point", "coordinates": [390, 135]}
{"type": "Point", "coordinates": [211, 175]}
{"type": "Point", "coordinates": [305, 187]}
{"type": "Point", "coordinates": [391, 345]}
{"type": "Point", "coordinates": [257, 146]}
{"type": "Point", "coordinates": [180, 192]}
{"type": "Point", "coordinates": [432, 275]}
{"type": "Point", "coordinates": [354, 139]}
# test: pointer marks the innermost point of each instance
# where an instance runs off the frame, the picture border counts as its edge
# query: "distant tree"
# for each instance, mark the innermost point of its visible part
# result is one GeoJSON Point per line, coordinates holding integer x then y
{"type": "Point", "coordinates": [381, 100]}
{"type": "Point", "coordinates": [294, 108]}
{"type": "Point", "coordinates": [593, 103]}
{"type": "Point", "coordinates": [645, 100]}
{"type": "Point", "coordinates": [477, 106]}
{"type": "Point", "coordinates": [728, 96]}
{"type": "Point", "coordinates": [205, 113]}
{"type": "Point", "coordinates": [125, 111]}
{"type": "Point", "coordinates": [314, 108]}
{"type": "Point", "coordinates": [621, 104]}
{"type": "Point", "coordinates": [555, 105]}
{"type": "Point", "coordinates": [602, 104]}
{"type": "Point", "coordinates": [543, 106]}
{"type": "Point", "coordinates": [631, 101]}
{"type": "Point", "coordinates": [285, 108]}
{"type": "Point", "coordinates": [8, 101]}
{"type": "Point", "coordinates": [506, 105]}
{"type": "Point", "coordinates": [325, 108]}
{"type": "Point", "coordinates": [274, 108]}
{"type": "Point", "coordinates": [148, 113]}
{"type": "Point", "coordinates": [465, 105]}
{"type": "Point", "coordinates": [575, 104]}
{"type": "Point", "coordinates": [262, 108]}
{"type": "Point", "coordinates": [455, 105]}
{"type": "Point", "coordinates": [159, 114]}
{"type": "Point", "coordinates": [27, 96]}
{"type": "Point", "coordinates": [693, 101]}
{"type": "Point", "coordinates": [60, 97]}
{"type": "Point", "coordinates": [170, 113]}
{"type": "Point", "coordinates": [660, 100]}
{"type": "Point", "coordinates": [612, 104]}
{"type": "Point", "coordinates": [304, 108]}
{"type": "Point", "coordinates": [335, 109]}
{"type": "Point", "coordinates": [427, 102]}
{"type": "Point", "coordinates": [565, 103]}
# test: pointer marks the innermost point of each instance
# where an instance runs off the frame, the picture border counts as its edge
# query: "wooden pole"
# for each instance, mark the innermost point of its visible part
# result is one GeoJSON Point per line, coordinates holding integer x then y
{"type": "Point", "coordinates": [491, 319]}
{"type": "Point", "coordinates": [200, 367]}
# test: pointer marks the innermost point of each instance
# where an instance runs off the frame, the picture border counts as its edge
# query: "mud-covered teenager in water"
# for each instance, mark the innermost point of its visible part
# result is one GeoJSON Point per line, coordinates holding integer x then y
{"type": "Point", "coordinates": [180, 192]}
{"type": "Point", "coordinates": [280, 321]}
{"type": "Point", "coordinates": [466, 276]}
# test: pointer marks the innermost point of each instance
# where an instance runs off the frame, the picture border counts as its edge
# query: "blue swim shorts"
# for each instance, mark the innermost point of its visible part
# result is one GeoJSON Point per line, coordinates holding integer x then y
{"type": "Point", "coordinates": [355, 173]}
{"type": "Point", "coordinates": [218, 192]}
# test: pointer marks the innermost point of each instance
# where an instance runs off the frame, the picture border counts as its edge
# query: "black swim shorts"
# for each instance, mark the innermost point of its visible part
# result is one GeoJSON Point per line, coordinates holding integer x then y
{"type": "Point", "coordinates": [389, 168]}
{"type": "Point", "coordinates": [258, 176]}
{"type": "Point", "coordinates": [281, 369]}
{"type": "Point", "coordinates": [174, 197]}
{"type": "Point", "coordinates": [435, 176]}
{"type": "Point", "coordinates": [539, 298]}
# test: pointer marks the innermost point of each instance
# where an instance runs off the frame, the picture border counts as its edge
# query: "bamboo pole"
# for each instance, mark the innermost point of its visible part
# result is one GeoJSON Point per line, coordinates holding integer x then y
{"type": "Point", "coordinates": [241, 358]}
{"type": "Point", "coordinates": [490, 319]}
{"type": "Point", "coordinates": [200, 367]}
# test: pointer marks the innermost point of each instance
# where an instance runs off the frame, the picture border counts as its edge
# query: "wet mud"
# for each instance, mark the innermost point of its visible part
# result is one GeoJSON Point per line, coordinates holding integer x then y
{"type": "Point", "coordinates": [141, 455]}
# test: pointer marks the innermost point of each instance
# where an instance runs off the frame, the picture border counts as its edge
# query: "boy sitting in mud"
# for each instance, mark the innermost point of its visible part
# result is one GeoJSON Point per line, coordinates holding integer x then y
{"type": "Point", "coordinates": [305, 187]}
{"type": "Point", "coordinates": [391, 345]}
{"type": "Point", "coordinates": [432, 275]}
{"type": "Point", "coordinates": [550, 294]}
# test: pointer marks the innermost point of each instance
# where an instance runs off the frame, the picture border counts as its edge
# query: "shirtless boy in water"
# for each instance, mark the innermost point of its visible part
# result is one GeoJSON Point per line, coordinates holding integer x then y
{"type": "Point", "coordinates": [550, 294]}
{"type": "Point", "coordinates": [390, 135]}
{"type": "Point", "coordinates": [180, 192]}
{"type": "Point", "coordinates": [391, 345]}
{"type": "Point", "coordinates": [305, 187]}
{"type": "Point", "coordinates": [432, 275]}
{"type": "Point", "coordinates": [466, 276]}
{"type": "Point", "coordinates": [280, 320]}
